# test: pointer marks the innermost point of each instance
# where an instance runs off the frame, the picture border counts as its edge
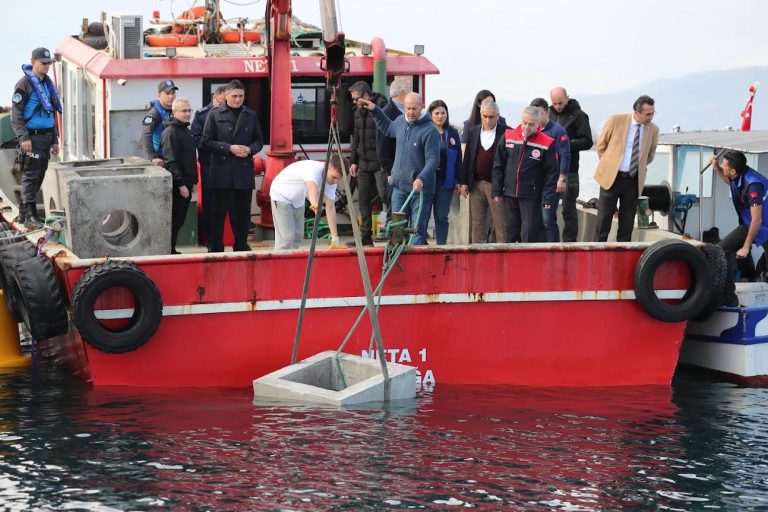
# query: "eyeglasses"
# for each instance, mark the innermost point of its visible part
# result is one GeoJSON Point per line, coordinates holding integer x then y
{"type": "Point", "coordinates": [185, 110]}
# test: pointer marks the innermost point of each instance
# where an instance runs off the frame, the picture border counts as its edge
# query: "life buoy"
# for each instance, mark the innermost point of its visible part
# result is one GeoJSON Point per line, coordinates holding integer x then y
{"type": "Point", "coordinates": [233, 36]}
{"type": "Point", "coordinates": [44, 313]}
{"type": "Point", "coordinates": [10, 256]}
{"type": "Point", "coordinates": [147, 311]}
{"type": "Point", "coordinates": [718, 268]}
{"type": "Point", "coordinates": [699, 290]}
{"type": "Point", "coordinates": [172, 40]}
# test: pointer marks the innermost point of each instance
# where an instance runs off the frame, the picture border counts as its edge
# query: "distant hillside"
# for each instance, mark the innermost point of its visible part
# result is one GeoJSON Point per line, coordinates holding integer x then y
{"type": "Point", "coordinates": [700, 101]}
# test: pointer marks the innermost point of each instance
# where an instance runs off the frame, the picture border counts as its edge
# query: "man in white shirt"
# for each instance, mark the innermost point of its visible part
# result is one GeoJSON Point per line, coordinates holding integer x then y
{"type": "Point", "coordinates": [292, 186]}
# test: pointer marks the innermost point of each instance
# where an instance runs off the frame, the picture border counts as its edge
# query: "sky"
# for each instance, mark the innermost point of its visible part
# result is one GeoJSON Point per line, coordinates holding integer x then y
{"type": "Point", "coordinates": [519, 50]}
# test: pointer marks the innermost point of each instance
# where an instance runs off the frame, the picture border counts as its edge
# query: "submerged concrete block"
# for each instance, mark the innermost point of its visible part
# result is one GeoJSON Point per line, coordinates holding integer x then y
{"type": "Point", "coordinates": [51, 187]}
{"type": "Point", "coordinates": [317, 380]}
{"type": "Point", "coordinates": [122, 210]}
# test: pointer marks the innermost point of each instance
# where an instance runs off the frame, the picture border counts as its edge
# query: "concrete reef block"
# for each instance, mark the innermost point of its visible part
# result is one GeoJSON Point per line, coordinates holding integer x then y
{"type": "Point", "coordinates": [316, 380]}
{"type": "Point", "coordinates": [51, 188]}
{"type": "Point", "coordinates": [121, 210]}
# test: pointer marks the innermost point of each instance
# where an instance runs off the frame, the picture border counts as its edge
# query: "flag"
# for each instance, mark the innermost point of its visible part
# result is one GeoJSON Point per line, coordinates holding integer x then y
{"type": "Point", "coordinates": [746, 114]}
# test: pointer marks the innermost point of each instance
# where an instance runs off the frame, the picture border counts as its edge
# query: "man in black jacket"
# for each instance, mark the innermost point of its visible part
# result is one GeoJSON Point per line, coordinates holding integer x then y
{"type": "Point", "coordinates": [180, 159]}
{"type": "Point", "coordinates": [233, 136]}
{"type": "Point", "coordinates": [365, 162]}
{"type": "Point", "coordinates": [567, 112]}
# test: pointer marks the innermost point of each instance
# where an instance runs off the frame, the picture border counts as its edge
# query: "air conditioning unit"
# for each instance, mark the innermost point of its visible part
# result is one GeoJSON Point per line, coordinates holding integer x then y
{"type": "Point", "coordinates": [125, 35]}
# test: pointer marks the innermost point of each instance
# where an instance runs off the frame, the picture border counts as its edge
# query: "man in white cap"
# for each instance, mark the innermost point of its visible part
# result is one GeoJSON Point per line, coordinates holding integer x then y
{"type": "Point", "coordinates": [33, 116]}
{"type": "Point", "coordinates": [152, 124]}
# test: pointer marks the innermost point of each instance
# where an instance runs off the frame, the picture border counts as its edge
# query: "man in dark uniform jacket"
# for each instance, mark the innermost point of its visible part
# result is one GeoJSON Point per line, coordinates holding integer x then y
{"type": "Point", "coordinates": [33, 117]}
{"type": "Point", "coordinates": [179, 155]}
{"type": "Point", "coordinates": [365, 161]}
{"type": "Point", "coordinates": [152, 124]}
{"type": "Point", "coordinates": [233, 136]}
{"type": "Point", "coordinates": [204, 157]}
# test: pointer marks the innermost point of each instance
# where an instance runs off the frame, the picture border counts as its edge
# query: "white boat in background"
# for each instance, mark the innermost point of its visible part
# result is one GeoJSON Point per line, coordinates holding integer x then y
{"type": "Point", "coordinates": [689, 203]}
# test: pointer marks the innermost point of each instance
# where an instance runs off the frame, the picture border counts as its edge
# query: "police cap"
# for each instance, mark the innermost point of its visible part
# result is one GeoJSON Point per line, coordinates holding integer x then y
{"type": "Point", "coordinates": [166, 86]}
{"type": "Point", "coordinates": [41, 54]}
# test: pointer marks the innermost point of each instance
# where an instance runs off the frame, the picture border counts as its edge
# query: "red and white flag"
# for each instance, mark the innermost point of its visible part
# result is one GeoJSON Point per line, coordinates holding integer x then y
{"type": "Point", "coordinates": [746, 114]}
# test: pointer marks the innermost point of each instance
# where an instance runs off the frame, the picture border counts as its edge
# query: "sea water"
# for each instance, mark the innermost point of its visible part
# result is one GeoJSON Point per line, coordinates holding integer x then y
{"type": "Point", "coordinates": [699, 444]}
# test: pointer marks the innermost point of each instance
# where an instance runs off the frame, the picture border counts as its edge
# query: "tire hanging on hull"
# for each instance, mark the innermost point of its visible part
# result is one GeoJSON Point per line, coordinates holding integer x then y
{"type": "Point", "coordinates": [147, 311]}
{"type": "Point", "coordinates": [10, 256]}
{"type": "Point", "coordinates": [44, 313]}
{"type": "Point", "coordinates": [699, 291]}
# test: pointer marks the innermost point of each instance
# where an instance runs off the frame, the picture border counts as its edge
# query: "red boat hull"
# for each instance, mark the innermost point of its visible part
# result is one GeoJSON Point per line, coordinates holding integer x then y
{"type": "Point", "coordinates": [528, 315]}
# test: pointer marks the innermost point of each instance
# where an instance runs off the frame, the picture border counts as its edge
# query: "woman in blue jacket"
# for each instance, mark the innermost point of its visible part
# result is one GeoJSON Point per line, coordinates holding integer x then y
{"type": "Point", "coordinates": [448, 169]}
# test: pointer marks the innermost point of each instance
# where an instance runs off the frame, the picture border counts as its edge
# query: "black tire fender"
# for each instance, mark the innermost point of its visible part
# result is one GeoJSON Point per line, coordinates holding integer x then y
{"type": "Point", "coordinates": [718, 267]}
{"type": "Point", "coordinates": [147, 313]}
{"type": "Point", "coordinates": [44, 313]}
{"type": "Point", "coordinates": [10, 256]}
{"type": "Point", "coordinates": [698, 293]}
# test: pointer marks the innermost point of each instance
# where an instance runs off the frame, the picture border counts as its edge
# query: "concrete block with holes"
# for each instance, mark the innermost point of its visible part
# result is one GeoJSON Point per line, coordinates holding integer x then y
{"type": "Point", "coordinates": [317, 380]}
{"type": "Point", "coordinates": [116, 210]}
{"type": "Point", "coordinates": [51, 187]}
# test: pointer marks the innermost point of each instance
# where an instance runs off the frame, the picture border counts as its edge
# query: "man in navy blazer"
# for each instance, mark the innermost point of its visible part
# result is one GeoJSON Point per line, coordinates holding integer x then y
{"type": "Point", "coordinates": [233, 136]}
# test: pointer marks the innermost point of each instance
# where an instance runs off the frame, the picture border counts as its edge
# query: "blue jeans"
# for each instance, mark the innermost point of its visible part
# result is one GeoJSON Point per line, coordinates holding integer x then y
{"type": "Point", "coordinates": [551, 231]}
{"type": "Point", "coordinates": [398, 199]}
{"type": "Point", "coordinates": [441, 206]}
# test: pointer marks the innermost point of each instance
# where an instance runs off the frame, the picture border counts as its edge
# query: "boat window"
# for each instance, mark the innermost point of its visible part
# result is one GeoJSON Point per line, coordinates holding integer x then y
{"type": "Point", "coordinates": [689, 162]}
{"type": "Point", "coordinates": [311, 113]}
{"type": "Point", "coordinates": [69, 101]}
{"type": "Point", "coordinates": [658, 170]}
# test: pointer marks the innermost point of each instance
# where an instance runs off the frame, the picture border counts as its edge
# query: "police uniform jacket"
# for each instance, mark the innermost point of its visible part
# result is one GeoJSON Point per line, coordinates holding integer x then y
{"type": "Point", "coordinates": [21, 95]}
{"type": "Point", "coordinates": [223, 128]}
{"type": "Point", "coordinates": [151, 131]}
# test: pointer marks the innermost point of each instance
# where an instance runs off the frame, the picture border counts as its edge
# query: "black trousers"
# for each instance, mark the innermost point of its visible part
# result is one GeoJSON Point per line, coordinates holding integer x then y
{"type": "Point", "coordinates": [179, 207]}
{"type": "Point", "coordinates": [206, 194]}
{"type": "Point", "coordinates": [732, 242]}
{"type": "Point", "coordinates": [35, 165]}
{"type": "Point", "coordinates": [523, 220]}
{"type": "Point", "coordinates": [623, 191]}
{"type": "Point", "coordinates": [370, 185]}
{"type": "Point", "coordinates": [570, 215]}
{"type": "Point", "coordinates": [241, 199]}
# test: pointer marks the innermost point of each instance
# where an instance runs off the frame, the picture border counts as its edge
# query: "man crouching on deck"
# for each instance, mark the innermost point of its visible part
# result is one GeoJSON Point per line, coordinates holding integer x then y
{"type": "Point", "coordinates": [748, 191]}
{"type": "Point", "coordinates": [294, 184]}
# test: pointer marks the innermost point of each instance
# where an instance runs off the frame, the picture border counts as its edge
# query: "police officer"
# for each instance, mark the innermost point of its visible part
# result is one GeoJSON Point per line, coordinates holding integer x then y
{"type": "Point", "coordinates": [152, 125]}
{"type": "Point", "coordinates": [233, 136]}
{"type": "Point", "coordinates": [35, 103]}
{"type": "Point", "coordinates": [748, 192]}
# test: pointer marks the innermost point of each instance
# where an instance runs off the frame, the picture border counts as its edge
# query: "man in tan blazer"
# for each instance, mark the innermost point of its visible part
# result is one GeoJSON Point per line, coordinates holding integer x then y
{"type": "Point", "coordinates": [626, 146]}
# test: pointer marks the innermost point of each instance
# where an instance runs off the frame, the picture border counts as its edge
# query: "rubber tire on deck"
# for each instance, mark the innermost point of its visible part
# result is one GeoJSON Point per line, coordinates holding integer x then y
{"type": "Point", "coordinates": [696, 297]}
{"type": "Point", "coordinates": [147, 313]}
{"type": "Point", "coordinates": [44, 313]}
{"type": "Point", "coordinates": [10, 256]}
{"type": "Point", "coordinates": [718, 267]}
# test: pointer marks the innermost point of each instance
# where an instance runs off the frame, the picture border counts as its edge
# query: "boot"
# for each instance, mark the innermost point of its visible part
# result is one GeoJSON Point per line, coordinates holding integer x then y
{"type": "Point", "coordinates": [22, 217]}
{"type": "Point", "coordinates": [32, 219]}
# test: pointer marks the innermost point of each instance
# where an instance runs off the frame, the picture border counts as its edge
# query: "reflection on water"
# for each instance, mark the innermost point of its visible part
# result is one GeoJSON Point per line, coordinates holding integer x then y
{"type": "Point", "coordinates": [65, 446]}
